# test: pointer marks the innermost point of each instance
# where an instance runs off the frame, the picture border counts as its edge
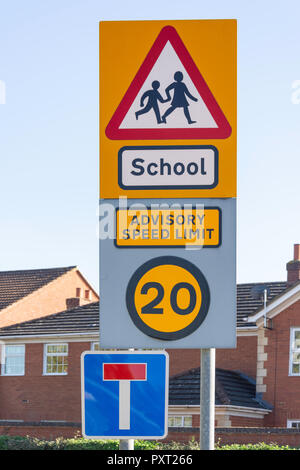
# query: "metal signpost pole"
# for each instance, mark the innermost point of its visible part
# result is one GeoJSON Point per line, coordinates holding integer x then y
{"type": "Point", "coordinates": [126, 444]}
{"type": "Point", "coordinates": [207, 399]}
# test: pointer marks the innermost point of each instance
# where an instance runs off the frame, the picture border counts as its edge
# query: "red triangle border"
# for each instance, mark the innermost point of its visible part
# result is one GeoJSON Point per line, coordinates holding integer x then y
{"type": "Point", "coordinates": [223, 131]}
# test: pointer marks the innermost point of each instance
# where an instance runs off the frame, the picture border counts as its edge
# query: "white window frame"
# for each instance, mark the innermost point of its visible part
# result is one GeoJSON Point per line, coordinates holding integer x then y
{"type": "Point", "coordinates": [291, 421]}
{"type": "Point", "coordinates": [3, 360]}
{"type": "Point", "coordinates": [182, 420]}
{"type": "Point", "coordinates": [293, 350]}
{"type": "Point", "coordinates": [46, 354]}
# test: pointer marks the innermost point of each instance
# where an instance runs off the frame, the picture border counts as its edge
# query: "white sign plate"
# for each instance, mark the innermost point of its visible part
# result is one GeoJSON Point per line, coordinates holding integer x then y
{"type": "Point", "coordinates": [174, 167]}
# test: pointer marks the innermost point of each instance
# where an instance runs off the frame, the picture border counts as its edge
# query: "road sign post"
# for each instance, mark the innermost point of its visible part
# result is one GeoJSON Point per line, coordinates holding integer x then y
{"type": "Point", "coordinates": [207, 403]}
{"type": "Point", "coordinates": [168, 146]}
{"type": "Point", "coordinates": [126, 444]}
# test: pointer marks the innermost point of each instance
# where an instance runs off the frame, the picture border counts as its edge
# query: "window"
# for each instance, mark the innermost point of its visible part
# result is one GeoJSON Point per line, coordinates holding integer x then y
{"type": "Point", "coordinates": [293, 423]}
{"type": "Point", "coordinates": [180, 421]}
{"type": "Point", "coordinates": [87, 294]}
{"type": "Point", "coordinates": [78, 291]}
{"type": "Point", "coordinates": [295, 351]}
{"type": "Point", "coordinates": [13, 359]}
{"type": "Point", "coordinates": [56, 359]}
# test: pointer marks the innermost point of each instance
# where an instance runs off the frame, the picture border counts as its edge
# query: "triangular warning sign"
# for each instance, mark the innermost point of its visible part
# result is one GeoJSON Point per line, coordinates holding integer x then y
{"type": "Point", "coordinates": [168, 98]}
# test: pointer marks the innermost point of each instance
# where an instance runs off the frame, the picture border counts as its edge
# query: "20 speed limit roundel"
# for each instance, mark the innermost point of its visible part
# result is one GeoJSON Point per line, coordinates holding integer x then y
{"type": "Point", "coordinates": [168, 298]}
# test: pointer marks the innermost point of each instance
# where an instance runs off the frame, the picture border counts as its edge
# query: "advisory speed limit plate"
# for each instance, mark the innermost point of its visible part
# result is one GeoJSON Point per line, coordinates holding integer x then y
{"type": "Point", "coordinates": [168, 297]}
{"type": "Point", "coordinates": [167, 285]}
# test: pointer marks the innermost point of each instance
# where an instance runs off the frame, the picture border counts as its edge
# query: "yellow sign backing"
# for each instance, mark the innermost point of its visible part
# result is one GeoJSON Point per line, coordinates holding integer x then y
{"type": "Point", "coordinates": [164, 86]}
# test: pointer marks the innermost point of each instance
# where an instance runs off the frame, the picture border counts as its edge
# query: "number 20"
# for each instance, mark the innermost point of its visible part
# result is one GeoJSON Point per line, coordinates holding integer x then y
{"type": "Point", "coordinates": [151, 307]}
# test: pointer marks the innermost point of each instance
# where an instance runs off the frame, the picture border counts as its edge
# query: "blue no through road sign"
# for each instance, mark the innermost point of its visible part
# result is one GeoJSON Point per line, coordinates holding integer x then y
{"type": "Point", "coordinates": [124, 394]}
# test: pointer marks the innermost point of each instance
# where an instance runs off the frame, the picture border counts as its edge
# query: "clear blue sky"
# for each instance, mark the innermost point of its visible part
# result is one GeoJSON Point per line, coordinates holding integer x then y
{"type": "Point", "coordinates": [49, 129]}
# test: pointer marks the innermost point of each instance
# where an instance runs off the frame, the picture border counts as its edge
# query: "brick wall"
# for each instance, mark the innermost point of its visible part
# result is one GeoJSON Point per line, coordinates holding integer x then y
{"type": "Point", "coordinates": [280, 436]}
{"type": "Point", "coordinates": [235, 421]}
{"type": "Point", "coordinates": [282, 390]}
{"type": "Point", "coordinates": [242, 435]}
{"type": "Point", "coordinates": [36, 397]}
{"type": "Point", "coordinates": [182, 435]}
{"type": "Point", "coordinates": [183, 359]}
{"type": "Point", "coordinates": [243, 421]}
{"type": "Point", "coordinates": [49, 432]}
{"type": "Point", "coordinates": [223, 436]}
{"type": "Point", "coordinates": [242, 358]}
{"type": "Point", "coordinates": [47, 300]}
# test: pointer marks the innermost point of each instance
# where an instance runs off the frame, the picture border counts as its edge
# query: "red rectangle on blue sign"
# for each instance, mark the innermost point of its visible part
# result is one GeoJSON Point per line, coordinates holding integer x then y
{"type": "Point", "coordinates": [124, 371]}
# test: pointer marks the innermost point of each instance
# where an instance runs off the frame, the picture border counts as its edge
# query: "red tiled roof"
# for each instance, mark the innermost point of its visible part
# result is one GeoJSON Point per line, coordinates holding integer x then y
{"type": "Point", "coordinates": [14, 285]}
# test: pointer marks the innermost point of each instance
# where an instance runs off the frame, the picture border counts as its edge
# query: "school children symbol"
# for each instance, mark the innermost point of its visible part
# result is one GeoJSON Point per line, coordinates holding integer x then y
{"type": "Point", "coordinates": [179, 100]}
{"type": "Point", "coordinates": [168, 98]}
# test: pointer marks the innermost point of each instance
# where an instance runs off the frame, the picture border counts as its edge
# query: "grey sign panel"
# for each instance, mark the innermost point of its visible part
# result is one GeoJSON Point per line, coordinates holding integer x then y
{"type": "Point", "coordinates": [169, 297]}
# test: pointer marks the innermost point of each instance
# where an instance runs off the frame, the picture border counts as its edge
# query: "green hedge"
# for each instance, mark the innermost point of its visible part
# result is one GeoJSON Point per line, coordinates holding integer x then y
{"type": "Point", "coordinates": [29, 443]}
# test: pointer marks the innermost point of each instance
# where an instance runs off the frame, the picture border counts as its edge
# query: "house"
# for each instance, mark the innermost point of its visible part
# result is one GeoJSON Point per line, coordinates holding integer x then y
{"type": "Point", "coordinates": [267, 354]}
{"type": "Point", "coordinates": [40, 374]}
{"type": "Point", "coordinates": [257, 383]}
{"type": "Point", "coordinates": [33, 293]}
{"type": "Point", "coordinates": [235, 396]}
